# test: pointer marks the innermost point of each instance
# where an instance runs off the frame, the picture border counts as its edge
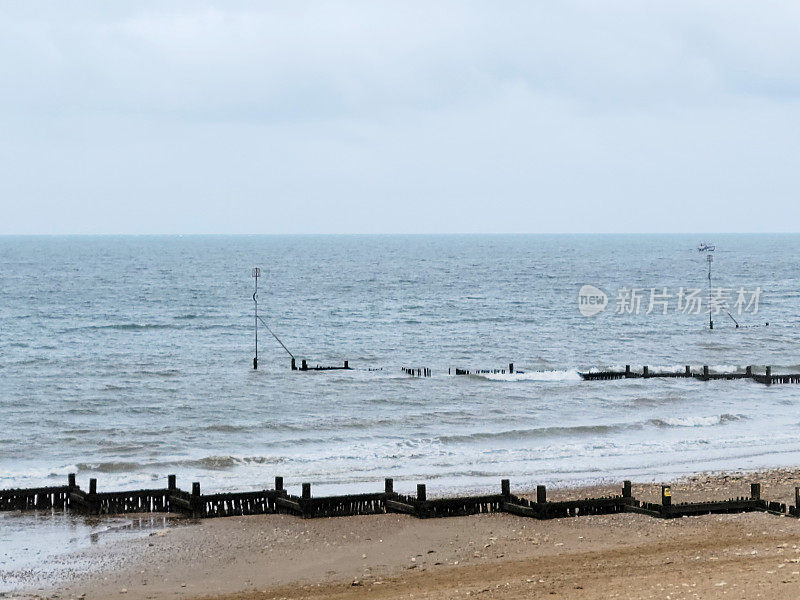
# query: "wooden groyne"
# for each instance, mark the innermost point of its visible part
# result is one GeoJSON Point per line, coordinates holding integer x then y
{"type": "Point", "coordinates": [277, 500]}
{"type": "Point", "coordinates": [768, 378]}
{"type": "Point", "coordinates": [417, 371]}
{"type": "Point", "coordinates": [304, 366]}
{"type": "Point", "coordinates": [458, 371]}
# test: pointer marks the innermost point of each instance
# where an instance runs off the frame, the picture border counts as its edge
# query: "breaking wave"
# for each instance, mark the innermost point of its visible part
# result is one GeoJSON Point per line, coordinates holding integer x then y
{"type": "Point", "coordinates": [589, 430]}
{"type": "Point", "coordinates": [211, 463]}
{"type": "Point", "coordinates": [696, 421]}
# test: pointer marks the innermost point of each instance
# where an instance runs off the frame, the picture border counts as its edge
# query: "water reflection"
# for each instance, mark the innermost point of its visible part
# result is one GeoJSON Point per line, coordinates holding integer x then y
{"type": "Point", "coordinates": [31, 542]}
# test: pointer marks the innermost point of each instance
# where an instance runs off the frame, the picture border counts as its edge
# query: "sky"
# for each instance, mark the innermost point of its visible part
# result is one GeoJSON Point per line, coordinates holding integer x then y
{"type": "Point", "coordinates": [399, 117]}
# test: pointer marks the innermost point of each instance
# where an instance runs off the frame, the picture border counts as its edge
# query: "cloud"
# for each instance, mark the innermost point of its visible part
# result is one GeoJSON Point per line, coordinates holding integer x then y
{"type": "Point", "coordinates": [364, 116]}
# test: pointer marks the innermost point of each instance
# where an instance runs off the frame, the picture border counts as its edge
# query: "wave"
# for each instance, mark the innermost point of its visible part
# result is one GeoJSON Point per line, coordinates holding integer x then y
{"type": "Point", "coordinates": [539, 432]}
{"type": "Point", "coordinates": [695, 421]}
{"type": "Point", "coordinates": [211, 463]}
{"type": "Point", "coordinates": [109, 467]}
{"type": "Point", "coordinates": [159, 373]}
{"type": "Point", "coordinates": [122, 327]}
{"type": "Point", "coordinates": [590, 430]}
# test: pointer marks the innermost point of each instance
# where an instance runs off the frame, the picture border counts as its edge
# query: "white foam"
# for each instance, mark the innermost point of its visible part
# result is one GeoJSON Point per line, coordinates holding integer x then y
{"type": "Point", "coordinates": [698, 421]}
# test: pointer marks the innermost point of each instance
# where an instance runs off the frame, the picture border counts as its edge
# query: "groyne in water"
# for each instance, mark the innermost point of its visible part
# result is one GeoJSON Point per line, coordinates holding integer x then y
{"type": "Point", "coordinates": [704, 374]}
{"type": "Point", "coordinates": [278, 500]}
{"type": "Point", "coordinates": [768, 378]}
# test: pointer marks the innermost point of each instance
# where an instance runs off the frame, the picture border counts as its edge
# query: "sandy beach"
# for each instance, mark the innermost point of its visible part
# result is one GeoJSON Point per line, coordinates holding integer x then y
{"type": "Point", "coordinates": [487, 556]}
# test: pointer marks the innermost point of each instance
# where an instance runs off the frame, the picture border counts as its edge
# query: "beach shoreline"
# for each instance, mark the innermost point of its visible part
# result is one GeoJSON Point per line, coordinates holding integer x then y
{"type": "Point", "coordinates": [495, 555]}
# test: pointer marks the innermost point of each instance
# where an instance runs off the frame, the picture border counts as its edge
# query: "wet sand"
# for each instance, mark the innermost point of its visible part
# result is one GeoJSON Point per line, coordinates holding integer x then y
{"type": "Point", "coordinates": [753, 555]}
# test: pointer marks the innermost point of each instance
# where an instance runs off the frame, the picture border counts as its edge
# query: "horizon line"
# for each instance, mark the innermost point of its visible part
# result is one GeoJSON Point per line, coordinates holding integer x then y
{"type": "Point", "coordinates": [387, 234]}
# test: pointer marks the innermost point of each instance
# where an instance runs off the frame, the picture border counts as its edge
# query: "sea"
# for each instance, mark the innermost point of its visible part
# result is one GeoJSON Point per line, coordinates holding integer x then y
{"type": "Point", "coordinates": [129, 358]}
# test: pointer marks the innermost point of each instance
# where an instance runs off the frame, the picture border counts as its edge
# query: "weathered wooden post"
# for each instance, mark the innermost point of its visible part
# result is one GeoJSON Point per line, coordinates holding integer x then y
{"type": "Point", "coordinates": [645, 371]}
{"type": "Point", "coordinates": [666, 496]}
{"type": "Point", "coordinates": [749, 371]}
{"type": "Point", "coordinates": [346, 364]}
{"type": "Point", "coordinates": [626, 489]}
{"type": "Point", "coordinates": [71, 480]}
{"type": "Point", "coordinates": [279, 484]}
{"type": "Point", "coordinates": [797, 501]}
{"type": "Point", "coordinates": [541, 494]}
{"type": "Point", "coordinates": [688, 370]}
{"type": "Point", "coordinates": [171, 483]}
{"type": "Point", "coordinates": [769, 371]}
{"type": "Point", "coordinates": [705, 371]}
{"type": "Point", "coordinates": [195, 501]}
{"type": "Point", "coordinates": [303, 365]}
{"type": "Point", "coordinates": [306, 491]}
{"type": "Point", "coordinates": [294, 364]}
{"type": "Point", "coordinates": [92, 503]}
{"type": "Point", "coordinates": [422, 495]}
{"type": "Point", "coordinates": [505, 487]}
{"type": "Point", "coordinates": [627, 370]}
{"type": "Point", "coordinates": [511, 368]}
{"type": "Point", "coordinates": [755, 491]}
{"type": "Point", "coordinates": [388, 486]}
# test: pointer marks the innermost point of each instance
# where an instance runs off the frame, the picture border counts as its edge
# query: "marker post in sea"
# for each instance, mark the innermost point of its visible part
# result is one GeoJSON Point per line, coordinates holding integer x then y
{"type": "Point", "coordinates": [256, 275]}
{"type": "Point", "coordinates": [710, 259]}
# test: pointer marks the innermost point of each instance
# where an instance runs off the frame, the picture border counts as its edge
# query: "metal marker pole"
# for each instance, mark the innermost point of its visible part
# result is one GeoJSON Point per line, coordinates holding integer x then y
{"type": "Point", "coordinates": [256, 275]}
{"type": "Point", "coordinates": [710, 259]}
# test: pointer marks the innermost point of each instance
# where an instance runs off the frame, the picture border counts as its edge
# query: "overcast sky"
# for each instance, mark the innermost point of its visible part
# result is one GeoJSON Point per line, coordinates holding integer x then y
{"type": "Point", "coordinates": [369, 117]}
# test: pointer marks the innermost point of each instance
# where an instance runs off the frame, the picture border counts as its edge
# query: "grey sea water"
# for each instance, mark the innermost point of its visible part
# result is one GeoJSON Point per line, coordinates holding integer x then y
{"type": "Point", "coordinates": [129, 358]}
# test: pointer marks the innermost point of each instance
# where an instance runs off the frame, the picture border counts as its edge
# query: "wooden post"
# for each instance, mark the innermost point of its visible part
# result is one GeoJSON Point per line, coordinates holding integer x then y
{"type": "Point", "coordinates": [797, 500]}
{"type": "Point", "coordinates": [71, 480]}
{"type": "Point", "coordinates": [294, 364]}
{"type": "Point", "coordinates": [171, 482]}
{"type": "Point", "coordinates": [769, 371]}
{"type": "Point", "coordinates": [93, 486]}
{"type": "Point", "coordinates": [749, 371]}
{"type": "Point", "coordinates": [505, 487]}
{"type": "Point", "coordinates": [279, 484]}
{"type": "Point", "coordinates": [346, 364]}
{"type": "Point", "coordinates": [666, 496]}
{"type": "Point", "coordinates": [306, 491]}
{"type": "Point", "coordinates": [627, 370]}
{"type": "Point", "coordinates": [755, 491]}
{"type": "Point", "coordinates": [705, 371]}
{"type": "Point", "coordinates": [645, 371]}
{"type": "Point", "coordinates": [688, 370]}
{"type": "Point", "coordinates": [421, 493]}
{"type": "Point", "coordinates": [388, 486]}
{"type": "Point", "coordinates": [626, 489]}
{"type": "Point", "coordinates": [303, 365]}
{"type": "Point", "coordinates": [511, 368]}
{"type": "Point", "coordinates": [194, 502]}
{"type": "Point", "coordinates": [541, 494]}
